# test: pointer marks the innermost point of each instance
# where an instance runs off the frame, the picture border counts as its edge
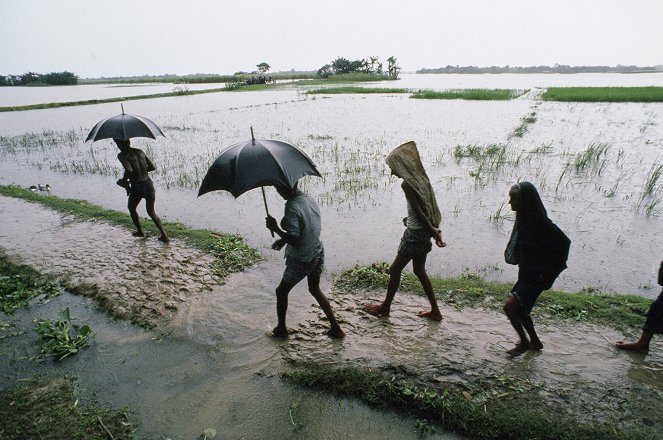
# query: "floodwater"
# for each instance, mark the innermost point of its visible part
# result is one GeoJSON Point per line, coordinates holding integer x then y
{"type": "Point", "coordinates": [613, 218]}
{"type": "Point", "coordinates": [212, 365]}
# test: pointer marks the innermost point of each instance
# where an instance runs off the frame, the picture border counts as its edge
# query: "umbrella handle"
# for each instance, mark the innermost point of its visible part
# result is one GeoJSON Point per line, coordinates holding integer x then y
{"type": "Point", "coordinates": [264, 199]}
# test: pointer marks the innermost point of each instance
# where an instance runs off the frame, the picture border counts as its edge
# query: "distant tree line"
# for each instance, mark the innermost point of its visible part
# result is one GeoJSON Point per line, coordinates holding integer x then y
{"type": "Point", "coordinates": [32, 78]}
{"type": "Point", "coordinates": [557, 68]}
{"type": "Point", "coordinates": [370, 65]}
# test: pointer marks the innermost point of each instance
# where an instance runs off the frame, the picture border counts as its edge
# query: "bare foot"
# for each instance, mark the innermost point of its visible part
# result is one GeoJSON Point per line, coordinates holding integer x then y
{"type": "Point", "coordinates": [336, 333]}
{"type": "Point", "coordinates": [376, 309]}
{"type": "Point", "coordinates": [519, 349]}
{"type": "Point", "coordinates": [164, 238]}
{"type": "Point", "coordinates": [633, 346]}
{"type": "Point", "coordinates": [430, 315]}
{"type": "Point", "coordinates": [280, 333]}
{"type": "Point", "coordinates": [138, 234]}
{"type": "Point", "coordinates": [535, 345]}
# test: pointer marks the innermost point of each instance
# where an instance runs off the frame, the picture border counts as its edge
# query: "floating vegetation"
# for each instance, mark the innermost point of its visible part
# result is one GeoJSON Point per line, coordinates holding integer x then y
{"type": "Point", "coordinates": [604, 94]}
{"type": "Point", "coordinates": [470, 94]}
{"type": "Point", "coordinates": [60, 338]}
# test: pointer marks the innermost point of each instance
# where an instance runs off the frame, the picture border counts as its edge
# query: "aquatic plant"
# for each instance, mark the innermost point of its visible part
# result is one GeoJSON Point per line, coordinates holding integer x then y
{"type": "Point", "coordinates": [60, 338]}
{"type": "Point", "coordinates": [604, 94]}
{"type": "Point", "coordinates": [19, 284]}
{"type": "Point", "coordinates": [506, 413]}
{"type": "Point", "coordinates": [525, 121]}
{"type": "Point", "coordinates": [469, 94]}
{"type": "Point", "coordinates": [594, 157]}
{"type": "Point", "coordinates": [54, 410]}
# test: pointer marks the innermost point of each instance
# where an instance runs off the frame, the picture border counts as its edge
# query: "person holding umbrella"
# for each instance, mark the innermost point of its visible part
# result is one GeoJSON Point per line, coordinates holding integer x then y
{"type": "Point", "coordinates": [136, 180]}
{"type": "Point", "coordinates": [138, 184]}
{"type": "Point", "coordinates": [304, 254]}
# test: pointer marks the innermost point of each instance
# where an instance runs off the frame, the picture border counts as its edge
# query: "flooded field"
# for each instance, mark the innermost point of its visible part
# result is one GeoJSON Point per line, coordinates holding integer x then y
{"type": "Point", "coordinates": [597, 167]}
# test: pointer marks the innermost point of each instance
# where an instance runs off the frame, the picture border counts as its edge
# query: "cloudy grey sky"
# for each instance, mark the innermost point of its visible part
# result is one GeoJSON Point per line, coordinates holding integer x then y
{"type": "Point", "coordinates": [94, 38]}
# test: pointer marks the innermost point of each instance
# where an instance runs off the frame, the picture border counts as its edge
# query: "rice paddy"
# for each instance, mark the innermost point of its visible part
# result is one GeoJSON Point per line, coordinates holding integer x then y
{"type": "Point", "coordinates": [604, 94]}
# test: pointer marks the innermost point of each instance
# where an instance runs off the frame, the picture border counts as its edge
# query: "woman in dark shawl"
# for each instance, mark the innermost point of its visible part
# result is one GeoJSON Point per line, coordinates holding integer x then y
{"type": "Point", "coordinates": [540, 250]}
{"type": "Point", "coordinates": [653, 324]}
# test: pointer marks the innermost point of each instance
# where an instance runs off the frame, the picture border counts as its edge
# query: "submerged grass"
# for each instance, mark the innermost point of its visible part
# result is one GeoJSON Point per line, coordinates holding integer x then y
{"type": "Point", "coordinates": [359, 90]}
{"type": "Point", "coordinates": [470, 94]}
{"type": "Point", "coordinates": [52, 410]}
{"type": "Point", "coordinates": [521, 416]}
{"type": "Point", "coordinates": [604, 94]}
{"type": "Point", "coordinates": [624, 312]}
{"type": "Point", "coordinates": [231, 252]}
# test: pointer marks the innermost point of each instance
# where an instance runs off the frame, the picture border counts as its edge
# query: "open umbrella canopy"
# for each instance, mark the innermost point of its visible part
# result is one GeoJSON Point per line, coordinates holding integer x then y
{"type": "Point", "coordinates": [124, 127]}
{"type": "Point", "coordinates": [255, 163]}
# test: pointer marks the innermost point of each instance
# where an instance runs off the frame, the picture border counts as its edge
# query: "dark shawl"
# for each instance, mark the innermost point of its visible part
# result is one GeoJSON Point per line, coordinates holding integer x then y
{"type": "Point", "coordinates": [536, 243]}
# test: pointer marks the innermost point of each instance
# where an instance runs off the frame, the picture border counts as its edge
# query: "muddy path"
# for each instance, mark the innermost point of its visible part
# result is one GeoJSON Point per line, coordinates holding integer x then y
{"type": "Point", "coordinates": [210, 363]}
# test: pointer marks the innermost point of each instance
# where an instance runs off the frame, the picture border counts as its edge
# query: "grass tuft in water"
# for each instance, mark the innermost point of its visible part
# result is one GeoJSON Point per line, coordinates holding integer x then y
{"type": "Point", "coordinates": [61, 338]}
{"type": "Point", "coordinates": [470, 94]}
{"type": "Point", "coordinates": [508, 416]}
{"type": "Point", "coordinates": [604, 94]}
{"type": "Point", "coordinates": [52, 411]}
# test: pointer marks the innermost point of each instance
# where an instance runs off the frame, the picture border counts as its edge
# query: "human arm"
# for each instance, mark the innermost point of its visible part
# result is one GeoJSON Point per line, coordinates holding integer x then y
{"type": "Point", "coordinates": [285, 237]}
{"type": "Point", "coordinates": [149, 163]}
{"type": "Point", "coordinates": [413, 199]}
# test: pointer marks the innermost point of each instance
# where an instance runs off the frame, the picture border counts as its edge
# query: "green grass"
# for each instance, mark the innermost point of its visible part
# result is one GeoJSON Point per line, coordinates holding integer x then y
{"type": "Point", "coordinates": [343, 78]}
{"type": "Point", "coordinates": [469, 94]}
{"type": "Point", "coordinates": [350, 90]}
{"type": "Point", "coordinates": [604, 94]}
{"type": "Point", "coordinates": [624, 312]}
{"type": "Point", "coordinates": [19, 284]}
{"type": "Point", "coordinates": [52, 411]}
{"type": "Point", "coordinates": [513, 416]}
{"type": "Point", "coordinates": [231, 252]}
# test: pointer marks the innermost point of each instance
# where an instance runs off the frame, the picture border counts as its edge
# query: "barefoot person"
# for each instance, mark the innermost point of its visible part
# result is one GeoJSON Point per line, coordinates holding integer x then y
{"type": "Point", "coordinates": [304, 255]}
{"type": "Point", "coordinates": [138, 184]}
{"type": "Point", "coordinates": [540, 249]}
{"type": "Point", "coordinates": [422, 223]}
{"type": "Point", "coordinates": [653, 324]}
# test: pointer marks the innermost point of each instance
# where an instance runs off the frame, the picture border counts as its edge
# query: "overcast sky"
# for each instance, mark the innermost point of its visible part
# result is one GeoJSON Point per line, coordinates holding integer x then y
{"type": "Point", "coordinates": [94, 38]}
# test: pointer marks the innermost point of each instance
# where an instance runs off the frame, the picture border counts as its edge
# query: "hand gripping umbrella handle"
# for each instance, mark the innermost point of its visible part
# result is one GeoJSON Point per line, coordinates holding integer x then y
{"type": "Point", "coordinates": [264, 199]}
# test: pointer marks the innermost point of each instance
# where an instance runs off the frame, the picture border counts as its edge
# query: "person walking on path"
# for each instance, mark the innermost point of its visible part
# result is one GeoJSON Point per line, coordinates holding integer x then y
{"type": "Point", "coordinates": [653, 324]}
{"type": "Point", "coordinates": [422, 224]}
{"type": "Point", "coordinates": [540, 249]}
{"type": "Point", "coordinates": [138, 184]}
{"type": "Point", "coordinates": [304, 255]}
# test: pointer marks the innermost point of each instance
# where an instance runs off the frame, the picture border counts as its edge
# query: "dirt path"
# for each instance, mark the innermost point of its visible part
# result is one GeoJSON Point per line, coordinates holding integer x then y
{"type": "Point", "coordinates": [140, 279]}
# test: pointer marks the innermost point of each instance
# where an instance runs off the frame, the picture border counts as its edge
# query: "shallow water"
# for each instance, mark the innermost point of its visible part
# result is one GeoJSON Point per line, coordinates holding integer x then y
{"type": "Point", "coordinates": [602, 208]}
{"type": "Point", "coordinates": [214, 365]}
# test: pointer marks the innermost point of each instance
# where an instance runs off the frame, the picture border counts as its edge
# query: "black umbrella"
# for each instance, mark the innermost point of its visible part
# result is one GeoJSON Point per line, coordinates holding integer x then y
{"type": "Point", "coordinates": [257, 163]}
{"type": "Point", "coordinates": [124, 127]}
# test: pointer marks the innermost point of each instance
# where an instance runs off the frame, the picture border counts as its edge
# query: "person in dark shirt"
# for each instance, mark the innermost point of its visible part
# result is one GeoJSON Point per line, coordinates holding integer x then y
{"type": "Point", "coordinates": [540, 249]}
{"type": "Point", "coordinates": [138, 184]}
{"type": "Point", "coordinates": [653, 324]}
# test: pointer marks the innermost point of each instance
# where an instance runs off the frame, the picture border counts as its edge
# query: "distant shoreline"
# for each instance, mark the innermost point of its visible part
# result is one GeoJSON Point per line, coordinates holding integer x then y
{"type": "Point", "coordinates": [557, 69]}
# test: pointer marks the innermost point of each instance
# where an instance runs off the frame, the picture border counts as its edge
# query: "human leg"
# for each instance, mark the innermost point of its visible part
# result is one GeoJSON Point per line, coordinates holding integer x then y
{"type": "Point", "coordinates": [314, 288]}
{"type": "Point", "coordinates": [395, 271]}
{"type": "Point", "coordinates": [132, 204]}
{"type": "Point", "coordinates": [282, 291]}
{"type": "Point", "coordinates": [641, 345]}
{"type": "Point", "coordinates": [149, 204]}
{"type": "Point", "coordinates": [513, 311]}
{"type": "Point", "coordinates": [419, 269]}
{"type": "Point", "coordinates": [534, 341]}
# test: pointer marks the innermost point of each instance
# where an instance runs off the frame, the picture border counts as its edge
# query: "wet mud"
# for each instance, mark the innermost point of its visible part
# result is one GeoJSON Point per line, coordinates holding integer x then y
{"type": "Point", "coordinates": [213, 364]}
{"type": "Point", "coordinates": [142, 279]}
